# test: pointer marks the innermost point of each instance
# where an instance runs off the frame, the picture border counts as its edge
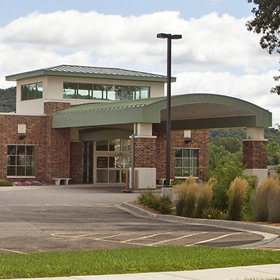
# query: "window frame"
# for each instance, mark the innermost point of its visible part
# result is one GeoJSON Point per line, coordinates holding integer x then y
{"type": "Point", "coordinates": [110, 92]}
{"type": "Point", "coordinates": [183, 159]}
{"type": "Point", "coordinates": [15, 159]}
{"type": "Point", "coordinates": [28, 93]}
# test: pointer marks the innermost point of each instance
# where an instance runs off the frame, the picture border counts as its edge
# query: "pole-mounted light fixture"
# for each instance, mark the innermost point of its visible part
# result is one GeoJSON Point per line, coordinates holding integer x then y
{"type": "Point", "coordinates": [169, 37]}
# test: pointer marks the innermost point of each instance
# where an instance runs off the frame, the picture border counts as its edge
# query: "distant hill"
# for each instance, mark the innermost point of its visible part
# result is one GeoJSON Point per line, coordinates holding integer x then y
{"type": "Point", "coordinates": [271, 134]}
{"type": "Point", "coordinates": [8, 99]}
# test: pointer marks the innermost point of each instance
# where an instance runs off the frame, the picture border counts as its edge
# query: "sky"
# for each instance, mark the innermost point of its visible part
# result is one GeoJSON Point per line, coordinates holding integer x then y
{"type": "Point", "coordinates": [216, 54]}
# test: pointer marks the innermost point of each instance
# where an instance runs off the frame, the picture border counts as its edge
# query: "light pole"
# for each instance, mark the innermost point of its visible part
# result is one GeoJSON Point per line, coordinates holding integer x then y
{"type": "Point", "coordinates": [169, 37]}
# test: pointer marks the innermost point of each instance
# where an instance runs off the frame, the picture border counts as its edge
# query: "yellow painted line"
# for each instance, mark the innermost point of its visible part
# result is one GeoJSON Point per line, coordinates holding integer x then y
{"type": "Point", "coordinates": [111, 236]}
{"type": "Point", "coordinates": [13, 251]}
{"type": "Point", "coordinates": [105, 205]}
{"type": "Point", "coordinates": [177, 238]}
{"type": "Point", "coordinates": [63, 234]}
{"type": "Point", "coordinates": [145, 237]}
{"type": "Point", "coordinates": [48, 204]}
{"type": "Point", "coordinates": [212, 239]}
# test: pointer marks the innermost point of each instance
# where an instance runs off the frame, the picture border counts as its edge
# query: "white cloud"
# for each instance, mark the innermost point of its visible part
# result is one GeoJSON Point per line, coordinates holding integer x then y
{"type": "Point", "coordinates": [251, 88]}
{"type": "Point", "coordinates": [217, 53]}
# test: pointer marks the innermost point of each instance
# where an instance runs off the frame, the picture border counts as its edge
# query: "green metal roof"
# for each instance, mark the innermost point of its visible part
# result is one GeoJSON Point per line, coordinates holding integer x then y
{"type": "Point", "coordinates": [90, 72]}
{"type": "Point", "coordinates": [189, 111]}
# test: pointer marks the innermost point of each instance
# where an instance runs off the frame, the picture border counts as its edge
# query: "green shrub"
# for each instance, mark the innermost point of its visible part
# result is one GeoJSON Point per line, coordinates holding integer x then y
{"type": "Point", "coordinates": [176, 182]}
{"type": "Point", "coordinates": [5, 183]}
{"type": "Point", "coordinates": [165, 203]}
{"type": "Point", "coordinates": [212, 213]}
{"type": "Point", "coordinates": [224, 175]}
{"type": "Point", "coordinates": [247, 208]}
{"type": "Point", "coordinates": [259, 200]}
{"type": "Point", "coordinates": [161, 204]}
{"type": "Point", "coordinates": [237, 195]}
{"type": "Point", "coordinates": [204, 198]}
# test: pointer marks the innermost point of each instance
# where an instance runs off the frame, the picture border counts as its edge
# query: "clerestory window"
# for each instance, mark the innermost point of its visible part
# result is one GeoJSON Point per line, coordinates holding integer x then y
{"type": "Point", "coordinates": [104, 92]}
{"type": "Point", "coordinates": [32, 91]}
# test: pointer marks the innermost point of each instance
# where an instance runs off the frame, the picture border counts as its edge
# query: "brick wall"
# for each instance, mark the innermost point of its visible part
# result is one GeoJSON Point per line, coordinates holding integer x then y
{"type": "Point", "coordinates": [145, 152]}
{"type": "Point", "coordinates": [52, 146]}
{"type": "Point", "coordinates": [35, 135]}
{"type": "Point", "coordinates": [199, 140]}
{"type": "Point", "coordinates": [254, 154]}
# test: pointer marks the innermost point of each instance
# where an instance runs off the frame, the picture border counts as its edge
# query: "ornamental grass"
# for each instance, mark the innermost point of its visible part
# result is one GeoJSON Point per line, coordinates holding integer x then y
{"type": "Point", "coordinates": [263, 200]}
{"type": "Point", "coordinates": [237, 195]}
{"type": "Point", "coordinates": [192, 198]}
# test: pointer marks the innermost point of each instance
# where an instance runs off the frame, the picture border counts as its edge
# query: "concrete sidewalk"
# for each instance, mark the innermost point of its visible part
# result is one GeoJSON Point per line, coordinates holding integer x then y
{"type": "Point", "coordinates": [271, 271]}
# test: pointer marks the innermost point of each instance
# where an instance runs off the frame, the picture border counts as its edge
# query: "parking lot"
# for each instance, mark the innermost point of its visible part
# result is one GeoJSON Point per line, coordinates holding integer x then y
{"type": "Point", "coordinates": [80, 217]}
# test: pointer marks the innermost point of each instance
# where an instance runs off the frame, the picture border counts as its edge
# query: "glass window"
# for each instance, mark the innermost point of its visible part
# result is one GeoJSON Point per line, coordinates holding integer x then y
{"type": "Point", "coordinates": [87, 162]}
{"type": "Point", "coordinates": [125, 145]}
{"type": "Point", "coordinates": [99, 92]}
{"type": "Point", "coordinates": [102, 162]}
{"type": "Point", "coordinates": [128, 92]}
{"type": "Point", "coordinates": [39, 90]}
{"type": "Point", "coordinates": [111, 94]}
{"type": "Point", "coordinates": [32, 91]}
{"type": "Point", "coordinates": [24, 92]}
{"type": "Point", "coordinates": [145, 92]}
{"type": "Point", "coordinates": [115, 145]}
{"type": "Point", "coordinates": [118, 92]}
{"type": "Point", "coordinates": [20, 160]}
{"type": "Point", "coordinates": [102, 145]}
{"type": "Point", "coordinates": [84, 91]}
{"type": "Point", "coordinates": [102, 176]}
{"type": "Point", "coordinates": [186, 162]}
{"type": "Point", "coordinates": [114, 176]}
{"type": "Point", "coordinates": [70, 90]}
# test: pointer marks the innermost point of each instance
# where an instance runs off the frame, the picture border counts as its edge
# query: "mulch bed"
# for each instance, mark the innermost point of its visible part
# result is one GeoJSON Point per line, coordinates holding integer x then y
{"type": "Point", "coordinates": [137, 204]}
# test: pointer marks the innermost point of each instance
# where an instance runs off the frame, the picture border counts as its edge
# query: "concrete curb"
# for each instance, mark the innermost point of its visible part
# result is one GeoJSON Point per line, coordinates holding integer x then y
{"type": "Point", "coordinates": [218, 223]}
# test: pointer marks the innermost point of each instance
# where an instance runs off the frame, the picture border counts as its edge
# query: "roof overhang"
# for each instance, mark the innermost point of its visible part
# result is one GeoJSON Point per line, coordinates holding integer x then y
{"type": "Point", "coordinates": [90, 72]}
{"type": "Point", "coordinates": [189, 111]}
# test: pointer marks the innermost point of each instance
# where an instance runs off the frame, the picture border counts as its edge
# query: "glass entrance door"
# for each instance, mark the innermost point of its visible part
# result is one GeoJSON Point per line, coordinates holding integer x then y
{"type": "Point", "coordinates": [111, 169]}
{"type": "Point", "coordinates": [112, 161]}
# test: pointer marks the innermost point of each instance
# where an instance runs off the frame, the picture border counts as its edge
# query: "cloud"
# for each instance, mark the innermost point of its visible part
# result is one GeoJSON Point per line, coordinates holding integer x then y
{"type": "Point", "coordinates": [217, 53]}
{"type": "Point", "coordinates": [251, 87]}
{"type": "Point", "coordinates": [209, 41]}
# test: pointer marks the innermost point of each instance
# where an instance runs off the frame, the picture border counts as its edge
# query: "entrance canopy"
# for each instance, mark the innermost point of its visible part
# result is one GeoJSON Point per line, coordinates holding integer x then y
{"type": "Point", "coordinates": [189, 111]}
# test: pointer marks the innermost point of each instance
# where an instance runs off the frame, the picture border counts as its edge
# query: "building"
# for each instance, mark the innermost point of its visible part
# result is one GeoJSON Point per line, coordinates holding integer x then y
{"type": "Point", "coordinates": [93, 125]}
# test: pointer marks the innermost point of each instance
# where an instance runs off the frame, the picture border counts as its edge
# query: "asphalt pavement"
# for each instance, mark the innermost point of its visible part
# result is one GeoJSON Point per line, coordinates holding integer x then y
{"type": "Point", "coordinates": [43, 214]}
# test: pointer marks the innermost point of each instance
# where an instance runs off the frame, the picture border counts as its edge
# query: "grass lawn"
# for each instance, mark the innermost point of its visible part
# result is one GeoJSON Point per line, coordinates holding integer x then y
{"type": "Point", "coordinates": [133, 260]}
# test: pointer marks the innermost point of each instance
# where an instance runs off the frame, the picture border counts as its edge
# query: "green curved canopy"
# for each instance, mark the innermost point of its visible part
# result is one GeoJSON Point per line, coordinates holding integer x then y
{"type": "Point", "coordinates": [189, 111]}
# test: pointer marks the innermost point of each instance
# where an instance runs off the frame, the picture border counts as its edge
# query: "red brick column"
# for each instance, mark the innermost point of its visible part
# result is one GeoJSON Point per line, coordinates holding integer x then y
{"type": "Point", "coordinates": [145, 152]}
{"type": "Point", "coordinates": [57, 144]}
{"type": "Point", "coordinates": [254, 154]}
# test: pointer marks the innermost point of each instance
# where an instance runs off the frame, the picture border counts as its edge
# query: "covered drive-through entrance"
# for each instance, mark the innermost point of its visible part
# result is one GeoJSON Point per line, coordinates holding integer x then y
{"type": "Point", "coordinates": [117, 136]}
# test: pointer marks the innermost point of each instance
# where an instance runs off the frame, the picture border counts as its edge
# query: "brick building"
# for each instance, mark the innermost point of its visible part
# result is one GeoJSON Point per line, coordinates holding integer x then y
{"type": "Point", "coordinates": [94, 124]}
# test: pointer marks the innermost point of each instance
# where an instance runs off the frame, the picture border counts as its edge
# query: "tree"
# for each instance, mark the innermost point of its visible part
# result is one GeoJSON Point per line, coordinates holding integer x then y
{"type": "Point", "coordinates": [231, 144]}
{"type": "Point", "coordinates": [267, 22]}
